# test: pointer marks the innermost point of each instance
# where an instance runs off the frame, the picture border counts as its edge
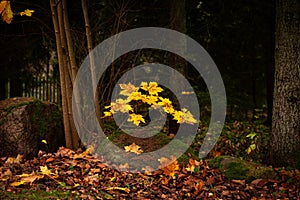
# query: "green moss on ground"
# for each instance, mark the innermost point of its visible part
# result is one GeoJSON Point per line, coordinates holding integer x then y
{"type": "Point", "coordinates": [235, 168]}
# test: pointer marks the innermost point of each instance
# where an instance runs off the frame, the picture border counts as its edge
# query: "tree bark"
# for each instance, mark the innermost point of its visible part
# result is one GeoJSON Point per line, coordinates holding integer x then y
{"type": "Point", "coordinates": [178, 23]}
{"type": "Point", "coordinates": [285, 141]}
{"type": "Point", "coordinates": [65, 70]}
{"type": "Point", "coordinates": [91, 57]}
{"type": "Point", "coordinates": [71, 54]}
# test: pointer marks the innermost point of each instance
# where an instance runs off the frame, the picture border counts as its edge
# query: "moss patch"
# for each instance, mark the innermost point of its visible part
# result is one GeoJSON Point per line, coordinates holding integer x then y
{"type": "Point", "coordinates": [234, 168]}
{"type": "Point", "coordinates": [40, 194]}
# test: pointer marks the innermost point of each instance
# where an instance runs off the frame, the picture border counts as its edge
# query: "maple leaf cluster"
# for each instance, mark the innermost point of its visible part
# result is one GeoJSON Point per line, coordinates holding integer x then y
{"type": "Point", "coordinates": [151, 98]}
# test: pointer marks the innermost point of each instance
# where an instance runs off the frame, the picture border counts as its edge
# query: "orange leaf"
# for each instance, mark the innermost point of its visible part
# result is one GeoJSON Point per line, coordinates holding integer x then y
{"type": "Point", "coordinates": [199, 187]}
{"type": "Point", "coordinates": [125, 166]}
{"type": "Point", "coordinates": [6, 12]}
{"type": "Point", "coordinates": [164, 181]}
{"type": "Point", "coordinates": [192, 164]}
{"type": "Point", "coordinates": [49, 160]}
{"type": "Point", "coordinates": [119, 188]}
{"type": "Point", "coordinates": [169, 167]}
{"type": "Point", "coordinates": [133, 148]}
{"type": "Point", "coordinates": [216, 154]}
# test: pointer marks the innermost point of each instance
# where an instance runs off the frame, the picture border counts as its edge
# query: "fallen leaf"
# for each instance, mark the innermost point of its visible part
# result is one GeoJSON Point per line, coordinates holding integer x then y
{"type": "Point", "coordinates": [32, 178]}
{"type": "Point", "coordinates": [216, 154]}
{"type": "Point", "coordinates": [169, 167]}
{"type": "Point", "coordinates": [127, 190]}
{"type": "Point", "coordinates": [49, 160]}
{"type": "Point", "coordinates": [199, 187]}
{"type": "Point", "coordinates": [164, 181]}
{"type": "Point", "coordinates": [6, 175]}
{"type": "Point", "coordinates": [45, 170]}
{"type": "Point", "coordinates": [192, 165]}
{"type": "Point", "coordinates": [240, 182]}
{"type": "Point", "coordinates": [125, 166]}
{"type": "Point", "coordinates": [133, 148]}
{"type": "Point", "coordinates": [17, 183]}
{"type": "Point", "coordinates": [16, 160]}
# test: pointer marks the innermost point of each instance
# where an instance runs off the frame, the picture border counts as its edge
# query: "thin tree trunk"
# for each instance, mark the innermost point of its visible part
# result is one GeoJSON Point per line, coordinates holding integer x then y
{"type": "Point", "coordinates": [285, 141]}
{"type": "Point", "coordinates": [71, 53]}
{"type": "Point", "coordinates": [60, 56]}
{"type": "Point", "coordinates": [91, 57]}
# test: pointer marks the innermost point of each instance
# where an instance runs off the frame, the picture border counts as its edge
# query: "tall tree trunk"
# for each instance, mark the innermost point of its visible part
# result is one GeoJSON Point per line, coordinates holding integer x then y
{"type": "Point", "coordinates": [67, 76]}
{"type": "Point", "coordinates": [285, 141]}
{"type": "Point", "coordinates": [67, 130]}
{"type": "Point", "coordinates": [71, 54]}
{"type": "Point", "coordinates": [91, 57]}
{"type": "Point", "coordinates": [178, 23]}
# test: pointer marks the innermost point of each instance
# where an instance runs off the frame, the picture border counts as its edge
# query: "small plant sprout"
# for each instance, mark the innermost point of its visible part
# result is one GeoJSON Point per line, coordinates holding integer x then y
{"type": "Point", "coordinates": [146, 93]}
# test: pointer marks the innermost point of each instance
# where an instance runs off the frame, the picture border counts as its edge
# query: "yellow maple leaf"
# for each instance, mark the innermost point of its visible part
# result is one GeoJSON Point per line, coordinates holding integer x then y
{"type": "Point", "coordinates": [137, 96]}
{"type": "Point", "coordinates": [151, 100]}
{"type": "Point", "coordinates": [128, 89]}
{"type": "Point", "coordinates": [107, 114]}
{"type": "Point", "coordinates": [192, 165]}
{"type": "Point", "coordinates": [184, 116]}
{"type": "Point", "coordinates": [169, 166]}
{"type": "Point", "coordinates": [6, 12]}
{"type": "Point", "coordinates": [27, 12]}
{"type": "Point", "coordinates": [45, 170]}
{"type": "Point", "coordinates": [17, 183]}
{"type": "Point", "coordinates": [134, 148]}
{"type": "Point", "coordinates": [167, 104]}
{"type": "Point", "coordinates": [120, 105]}
{"type": "Point", "coordinates": [136, 118]}
{"type": "Point", "coordinates": [152, 88]}
{"type": "Point", "coordinates": [89, 150]}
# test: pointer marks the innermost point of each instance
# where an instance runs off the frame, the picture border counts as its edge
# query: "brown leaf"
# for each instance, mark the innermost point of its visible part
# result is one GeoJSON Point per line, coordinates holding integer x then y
{"type": "Point", "coordinates": [210, 180]}
{"type": "Point", "coordinates": [133, 148]}
{"type": "Point", "coordinates": [30, 179]}
{"type": "Point", "coordinates": [199, 187]}
{"type": "Point", "coordinates": [256, 181]}
{"type": "Point", "coordinates": [49, 160]}
{"type": "Point", "coordinates": [64, 152]}
{"type": "Point", "coordinates": [16, 160]}
{"type": "Point", "coordinates": [240, 182]}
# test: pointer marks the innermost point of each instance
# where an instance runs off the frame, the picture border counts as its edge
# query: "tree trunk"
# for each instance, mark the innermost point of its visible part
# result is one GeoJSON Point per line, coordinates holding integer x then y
{"type": "Point", "coordinates": [285, 141]}
{"type": "Point", "coordinates": [178, 23]}
{"type": "Point", "coordinates": [91, 57]}
{"type": "Point", "coordinates": [71, 54]}
{"type": "Point", "coordinates": [65, 70]}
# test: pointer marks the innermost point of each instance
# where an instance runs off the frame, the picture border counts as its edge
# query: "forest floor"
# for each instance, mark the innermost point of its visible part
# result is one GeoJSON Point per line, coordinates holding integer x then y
{"type": "Point", "coordinates": [67, 174]}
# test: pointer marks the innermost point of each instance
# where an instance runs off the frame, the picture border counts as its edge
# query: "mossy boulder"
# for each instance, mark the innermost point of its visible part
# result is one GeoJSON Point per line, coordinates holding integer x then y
{"type": "Point", "coordinates": [25, 123]}
{"type": "Point", "coordinates": [235, 168]}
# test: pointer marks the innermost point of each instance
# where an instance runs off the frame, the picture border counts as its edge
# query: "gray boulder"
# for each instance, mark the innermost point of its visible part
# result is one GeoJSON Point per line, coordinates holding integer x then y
{"type": "Point", "coordinates": [25, 125]}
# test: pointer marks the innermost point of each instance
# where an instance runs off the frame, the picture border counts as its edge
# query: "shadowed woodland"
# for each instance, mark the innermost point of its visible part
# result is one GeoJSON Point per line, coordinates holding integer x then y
{"type": "Point", "coordinates": [256, 47]}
